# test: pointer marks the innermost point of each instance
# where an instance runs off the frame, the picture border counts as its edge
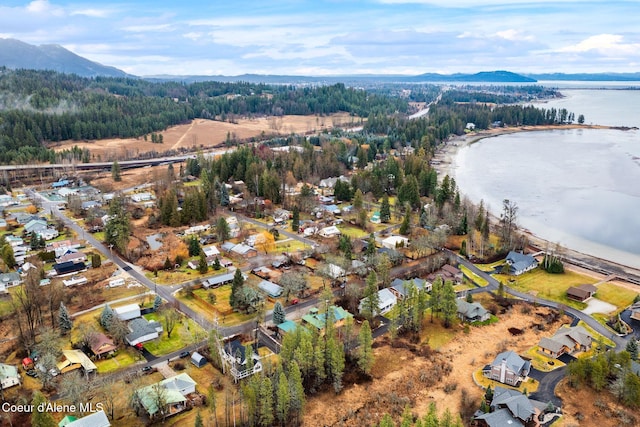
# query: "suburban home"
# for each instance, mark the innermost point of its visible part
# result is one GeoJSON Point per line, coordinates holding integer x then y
{"type": "Point", "coordinates": [233, 355]}
{"type": "Point", "coordinates": [581, 292]}
{"type": "Point", "coordinates": [331, 182]}
{"type": "Point", "coordinates": [47, 233]}
{"type": "Point", "coordinates": [61, 183]}
{"type": "Point", "coordinates": [14, 240]}
{"type": "Point", "coordinates": [101, 345]}
{"type": "Point", "coordinates": [69, 268]}
{"type": "Point", "coordinates": [375, 217]}
{"type": "Point", "coordinates": [94, 419]}
{"type": "Point", "coordinates": [386, 302]}
{"type": "Point", "coordinates": [127, 312]}
{"type": "Point", "coordinates": [568, 340]}
{"type": "Point", "coordinates": [328, 232]}
{"type": "Point", "coordinates": [8, 280]}
{"type": "Point", "coordinates": [197, 229]}
{"type": "Point", "coordinates": [332, 209]}
{"type": "Point", "coordinates": [210, 251]}
{"type": "Point", "coordinates": [90, 204]}
{"type": "Point", "coordinates": [471, 312]}
{"type": "Point", "coordinates": [75, 280]}
{"type": "Point", "coordinates": [142, 330]}
{"type": "Point", "coordinates": [400, 288]}
{"type": "Point", "coordinates": [270, 288]}
{"type": "Point", "coordinates": [219, 280]}
{"type": "Point", "coordinates": [448, 272]}
{"type": "Point", "coordinates": [511, 408]}
{"type": "Point", "coordinates": [286, 327]}
{"type": "Point", "coordinates": [35, 225]}
{"type": "Point", "coordinates": [318, 320]}
{"type": "Point", "coordinates": [141, 197]}
{"type": "Point", "coordinates": [635, 311]}
{"type": "Point", "coordinates": [244, 251]}
{"type": "Point", "coordinates": [9, 376]}
{"type": "Point", "coordinates": [520, 263]}
{"type": "Point", "coordinates": [75, 359]}
{"type": "Point", "coordinates": [393, 242]}
{"type": "Point", "coordinates": [508, 368]}
{"type": "Point", "coordinates": [281, 215]}
{"type": "Point", "coordinates": [73, 256]}
{"type": "Point", "coordinates": [172, 392]}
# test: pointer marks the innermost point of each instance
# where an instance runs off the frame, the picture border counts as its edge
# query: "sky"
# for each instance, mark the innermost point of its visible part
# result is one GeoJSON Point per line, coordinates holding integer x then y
{"type": "Point", "coordinates": [336, 37]}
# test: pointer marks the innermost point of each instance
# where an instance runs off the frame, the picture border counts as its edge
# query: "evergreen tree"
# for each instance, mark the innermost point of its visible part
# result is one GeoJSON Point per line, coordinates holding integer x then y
{"type": "Point", "coordinates": [405, 227]}
{"type": "Point", "coordinates": [194, 246]}
{"type": "Point", "coordinates": [435, 302]}
{"type": "Point", "coordinates": [118, 227]}
{"type": "Point", "coordinates": [365, 349]}
{"type": "Point", "coordinates": [64, 320]}
{"type": "Point", "coordinates": [115, 171]}
{"type": "Point", "coordinates": [265, 397]}
{"type": "Point", "coordinates": [157, 302]}
{"type": "Point", "coordinates": [283, 399]}
{"type": "Point", "coordinates": [463, 248]}
{"type": "Point", "coordinates": [222, 229]}
{"type": "Point", "coordinates": [203, 267]}
{"type": "Point", "coordinates": [371, 302]}
{"type": "Point", "coordinates": [371, 246]}
{"type": "Point", "coordinates": [41, 418]}
{"type": "Point", "coordinates": [295, 221]}
{"type": "Point", "coordinates": [358, 200]}
{"type": "Point", "coordinates": [198, 422]}
{"type": "Point", "coordinates": [96, 261]}
{"type": "Point", "coordinates": [106, 318]}
{"type": "Point", "coordinates": [632, 348]}
{"type": "Point", "coordinates": [296, 391]}
{"type": "Point", "coordinates": [279, 315]}
{"type": "Point", "coordinates": [449, 306]}
{"type": "Point", "coordinates": [216, 264]}
{"type": "Point", "coordinates": [236, 289]}
{"type": "Point", "coordinates": [385, 209]}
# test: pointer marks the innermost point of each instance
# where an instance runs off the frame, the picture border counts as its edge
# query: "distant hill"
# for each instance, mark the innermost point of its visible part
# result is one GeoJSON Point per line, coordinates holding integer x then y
{"type": "Point", "coordinates": [481, 77]}
{"type": "Point", "coordinates": [588, 77]}
{"type": "Point", "coordinates": [17, 54]}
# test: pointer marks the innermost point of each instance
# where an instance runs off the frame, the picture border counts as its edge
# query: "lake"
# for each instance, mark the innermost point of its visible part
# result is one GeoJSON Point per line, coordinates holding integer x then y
{"type": "Point", "coordinates": [576, 187]}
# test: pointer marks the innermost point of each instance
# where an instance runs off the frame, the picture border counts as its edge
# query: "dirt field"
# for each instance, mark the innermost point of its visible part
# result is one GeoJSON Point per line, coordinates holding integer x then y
{"type": "Point", "coordinates": [208, 133]}
{"type": "Point", "coordinates": [405, 377]}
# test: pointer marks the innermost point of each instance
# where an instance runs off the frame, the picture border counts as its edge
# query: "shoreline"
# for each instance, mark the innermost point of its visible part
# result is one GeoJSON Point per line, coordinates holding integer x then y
{"type": "Point", "coordinates": [444, 163]}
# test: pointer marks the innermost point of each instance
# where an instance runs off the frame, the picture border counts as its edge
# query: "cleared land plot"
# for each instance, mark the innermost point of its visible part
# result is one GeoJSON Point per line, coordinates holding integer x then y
{"type": "Point", "coordinates": [616, 295]}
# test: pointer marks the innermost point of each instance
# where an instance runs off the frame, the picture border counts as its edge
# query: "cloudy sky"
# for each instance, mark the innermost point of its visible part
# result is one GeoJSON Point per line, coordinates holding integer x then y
{"type": "Point", "coordinates": [336, 37]}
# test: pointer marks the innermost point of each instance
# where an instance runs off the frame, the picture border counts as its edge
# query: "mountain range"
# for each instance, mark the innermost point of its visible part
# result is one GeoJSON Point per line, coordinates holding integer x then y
{"type": "Point", "coordinates": [17, 54]}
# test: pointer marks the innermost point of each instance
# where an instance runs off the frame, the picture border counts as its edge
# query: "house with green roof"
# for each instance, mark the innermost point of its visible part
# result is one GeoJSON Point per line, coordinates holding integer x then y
{"type": "Point", "coordinates": [318, 320]}
{"type": "Point", "coordinates": [168, 397]}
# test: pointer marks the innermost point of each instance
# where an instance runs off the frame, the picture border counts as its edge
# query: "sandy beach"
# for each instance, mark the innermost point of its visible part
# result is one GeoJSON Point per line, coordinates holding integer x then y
{"type": "Point", "coordinates": [444, 163]}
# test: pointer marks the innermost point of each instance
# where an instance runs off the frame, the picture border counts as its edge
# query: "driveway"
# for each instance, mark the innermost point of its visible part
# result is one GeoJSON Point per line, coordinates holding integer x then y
{"type": "Point", "coordinates": [548, 382]}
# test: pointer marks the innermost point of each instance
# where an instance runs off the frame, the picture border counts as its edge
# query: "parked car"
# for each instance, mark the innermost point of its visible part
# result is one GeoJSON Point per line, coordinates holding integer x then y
{"type": "Point", "coordinates": [184, 354]}
{"type": "Point", "coordinates": [295, 301]}
{"type": "Point", "coordinates": [147, 369]}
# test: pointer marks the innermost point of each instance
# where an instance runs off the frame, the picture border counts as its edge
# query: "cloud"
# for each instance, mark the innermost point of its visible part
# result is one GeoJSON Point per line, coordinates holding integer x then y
{"type": "Point", "coordinates": [603, 44]}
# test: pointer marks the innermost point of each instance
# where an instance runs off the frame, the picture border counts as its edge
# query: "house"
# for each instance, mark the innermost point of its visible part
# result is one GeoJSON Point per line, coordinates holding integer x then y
{"type": "Point", "coordinates": [331, 182]}
{"type": "Point", "coordinates": [101, 345]}
{"type": "Point", "coordinates": [219, 280]}
{"type": "Point", "coordinates": [233, 355]}
{"type": "Point", "coordinates": [9, 376]}
{"type": "Point", "coordinates": [471, 312]}
{"type": "Point", "coordinates": [270, 288]}
{"type": "Point", "coordinates": [386, 300]}
{"type": "Point", "coordinates": [335, 271]}
{"type": "Point", "coordinates": [47, 233]}
{"type": "Point", "coordinates": [198, 359]}
{"type": "Point", "coordinates": [210, 251]}
{"type": "Point", "coordinates": [69, 267]}
{"type": "Point", "coordinates": [14, 240]}
{"type": "Point", "coordinates": [508, 368]}
{"type": "Point", "coordinates": [127, 312]}
{"type": "Point", "coordinates": [635, 311]}
{"type": "Point", "coordinates": [172, 392]}
{"type": "Point", "coordinates": [90, 204]}
{"type": "Point", "coordinates": [8, 280]}
{"type": "Point", "coordinates": [375, 217]}
{"type": "Point", "coordinates": [281, 215]}
{"type": "Point", "coordinates": [61, 183]}
{"type": "Point", "coordinates": [328, 232]}
{"type": "Point", "coordinates": [318, 320]}
{"type": "Point", "coordinates": [75, 280]}
{"type": "Point", "coordinates": [72, 256]}
{"type": "Point", "coordinates": [393, 242]}
{"type": "Point", "coordinates": [197, 229]}
{"type": "Point", "coordinates": [287, 326]}
{"type": "Point", "coordinates": [511, 408]}
{"type": "Point", "coordinates": [448, 272]}
{"type": "Point", "coordinates": [75, 359]}
{"type": "Point", "coordinates": [332, 209]}
{"type": "Point", "coordinates": [94, 419]}
{"type": "Point", "coordinates": [244, 251]}
{"type": "Point", "coordinates": [35, 225]}
{"type": "Point", "coordinates": [520, 263]}
{"type": "Point", "coordinates": [568, 340]}
{"type": "Point", "coordinates": [581, 292]}
{"type": "Point", "coordinates": [400, 288]}
{"type": "Point", "coordinates": [142, 330]}
{"type": "Point", "coordinates": [141, 197]}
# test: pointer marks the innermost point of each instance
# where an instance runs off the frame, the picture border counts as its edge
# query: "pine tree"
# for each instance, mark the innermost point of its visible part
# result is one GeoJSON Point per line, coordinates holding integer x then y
{"type": "Point", "coordinates": [632, 349]}
{"type": "Point", "coordinates": [283, 399]}
{"type": "Point", "coordinates": [194, 246]}
{"type": "Point", "coordinates": [236, 288]}
{"type": "Point", "coordinates": [115, 171]}
{"type": "Point", "coordinates": [279, 315]}
{"type": "Point", "coordinates": [295, 221]}
{"type": "Point", "coordinates": [296, 391]}
{"type": "Point", "coordinates": [265, 397]}
{"type": "Point", "coordinates": [449, 306]}
{"type": "Point", "coordinates": [385, 210]}
{"type": "Point", "coordinates": [64, 320]}
{"type": "Point", "coordinates": [203, 267]}
{"type": "Point", "coordinates": [365, 350]}
{"type": "Point", "coordinates": [41, 418]}
{"type": "Point", "coordinates": [106, 318]}
{"type": "Point", "coordinates": [157, 302]}
{"type": "Point", "coordinates": [405, 227]}
{"type": "Point", "coordinates": [370, 306]}
{"type": "Point", "coordinates": [216, 264]}
{"type": "Point", "coordinates": [198, 422]}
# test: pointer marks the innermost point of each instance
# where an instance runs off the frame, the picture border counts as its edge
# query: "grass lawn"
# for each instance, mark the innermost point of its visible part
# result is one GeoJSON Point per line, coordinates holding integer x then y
{"type": "Point", "coordinates": [435, 334]}
{"type": "Point", "coordinates": [596, 337]}
{"type": "Point", "coordinates": [124, 358]}
{"type": "Point", "coordinates": [490, 267]}
{"type": "Point", "coordinates": [530, 384]}
{"type": "Point", "coordinates": [352, 231]}
{"type": "Point", "coordinates": [289, 245]}
{"type": "Point", "coordinates": [616, 295]}
{"type": "Point", "coordinates": [541, 362]}
{"type": "Point", "coordinates": [99, 236]}
{"type": "Point", "coordinates": [183, 334]}
{"type": "Point", "coordinates": [221, 306]}
{"type": "Point", "coordinates": [183, 274]}
{"type": "Point", "coordinates": [549, 286]}
{"type": "Point", "coordinates": [5, 305]}
{"type": "Point", "coordinates": [473, 276]}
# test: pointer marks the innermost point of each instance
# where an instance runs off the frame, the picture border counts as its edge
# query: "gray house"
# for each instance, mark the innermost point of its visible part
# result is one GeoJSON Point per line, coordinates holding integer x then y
{"type": "Point", "coordinates": [520, 263]}
{"type": "Point", "coordinates": [508, 368]}
{"type": "Point", "coordinates": [472, 312]}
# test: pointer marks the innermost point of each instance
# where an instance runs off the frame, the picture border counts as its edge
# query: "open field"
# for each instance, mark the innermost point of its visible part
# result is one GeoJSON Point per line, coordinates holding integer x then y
{"type": "Point", "coordinates": [613, 294]}
{"type": "Point", "coordinates": [201, 133]}
{"type": "Point", "coordinates": [473, 276]}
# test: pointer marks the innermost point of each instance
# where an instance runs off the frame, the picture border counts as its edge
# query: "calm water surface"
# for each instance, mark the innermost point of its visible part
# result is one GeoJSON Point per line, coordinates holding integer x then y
{"type": "Point", "coordinates": [580, 188]}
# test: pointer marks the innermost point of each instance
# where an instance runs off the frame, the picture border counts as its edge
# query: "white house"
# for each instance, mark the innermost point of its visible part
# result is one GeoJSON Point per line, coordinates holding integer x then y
{"type": "Point", "coordinates": [393, 242]}
{"type": "Point", "coordinates": [142, 331]}
{"type": "Point", "coordinates": [8, 280]}
{"type": "Point", "coordinates": [75, 280]}
{"type": "Point", "coordinates": [386, 301]}
{"type": "Point", "coordinates": [141, 197]}
{"type": "Point", "coordinates": [210, 251]}
{"type": "Point", "coordinates": [127, 312]}
{"type": "Point", "coordinates": [48, 233]}
{"type": "Point", "coordinates": [328, 232]}
{"type": "Point", "coordinates": [9, 376]}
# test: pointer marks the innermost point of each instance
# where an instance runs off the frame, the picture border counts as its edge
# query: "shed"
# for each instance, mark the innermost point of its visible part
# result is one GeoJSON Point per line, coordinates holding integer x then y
{"type": "Point", "coordinates": [198, 359]}
{"type": "Point", "coordinates": [270, 288]}
{"type": "Point", "coordinates": [581, 292]}
{"type": "Point", "coordinates": [127, 312]}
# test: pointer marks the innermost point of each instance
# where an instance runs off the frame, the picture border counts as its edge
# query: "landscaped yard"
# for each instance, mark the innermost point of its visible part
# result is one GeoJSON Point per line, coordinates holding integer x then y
{"type": "Point", "coordinates": [549, 286]}
{"type": "Point", "coordinates": [221, 306]}
{"type": "Point", "coordinates": [541, 362]}
{"type": "Point", "coordinates": [530, 385]}
{"type": "Point", "coordinates": [182, 335]}
{"type": "Point", "coordinates": [124, 358]}
{"type": "Point", "coordinates": [473, 276]}
{"type": "Point", "coordinates": [616, 295]}
{"type": "Point", "coordinates": [490, 267]}
{"type": "Point", "coordinates": [353, 231]}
